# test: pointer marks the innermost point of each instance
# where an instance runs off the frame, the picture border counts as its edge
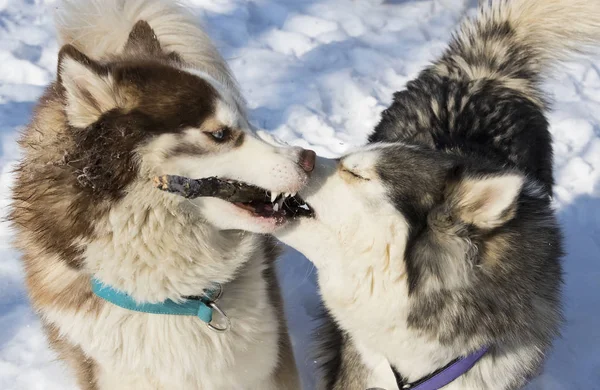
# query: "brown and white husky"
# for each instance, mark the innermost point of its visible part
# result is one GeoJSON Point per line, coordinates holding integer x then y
{"type": "Point", "coordinates": [142, 91]}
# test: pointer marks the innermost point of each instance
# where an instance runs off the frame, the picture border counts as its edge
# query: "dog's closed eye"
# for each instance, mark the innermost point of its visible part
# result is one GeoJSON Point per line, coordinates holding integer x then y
{"type": "Point", "coordinates": [353, 174]}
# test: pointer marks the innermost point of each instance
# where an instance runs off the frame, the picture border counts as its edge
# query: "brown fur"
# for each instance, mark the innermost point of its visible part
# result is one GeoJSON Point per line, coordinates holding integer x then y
{"type": "Point", "coordinates": [54, 285]}
{"type": "Point", "coordinates": [494, 248]}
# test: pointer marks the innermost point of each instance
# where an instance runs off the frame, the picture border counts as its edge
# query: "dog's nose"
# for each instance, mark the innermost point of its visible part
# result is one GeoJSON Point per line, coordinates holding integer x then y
{"type": "Point", "coordinates": [307, 160]}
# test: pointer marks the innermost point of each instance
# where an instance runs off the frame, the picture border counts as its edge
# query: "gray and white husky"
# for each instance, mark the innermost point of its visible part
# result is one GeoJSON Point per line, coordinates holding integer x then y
{"type": "Point", "coordinates": [142, 91]}
{"type": "Point", "coordinates": [438, 239]}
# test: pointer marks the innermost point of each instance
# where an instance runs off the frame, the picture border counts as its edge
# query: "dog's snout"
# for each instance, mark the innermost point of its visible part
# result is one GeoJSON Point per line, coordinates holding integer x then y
{"type": "Point", "coordinates": [307, 160]}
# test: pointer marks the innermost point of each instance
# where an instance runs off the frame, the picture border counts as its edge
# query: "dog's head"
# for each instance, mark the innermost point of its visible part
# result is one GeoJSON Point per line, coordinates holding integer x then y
{"type": "Point", "coordinates": [146, 113]}
{"type": "Point", "coordinates": [431, 222]}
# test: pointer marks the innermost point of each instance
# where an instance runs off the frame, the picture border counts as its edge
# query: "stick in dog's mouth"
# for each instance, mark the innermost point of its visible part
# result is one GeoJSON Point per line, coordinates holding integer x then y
{"type": "Point", "coordinates": [257, 200]}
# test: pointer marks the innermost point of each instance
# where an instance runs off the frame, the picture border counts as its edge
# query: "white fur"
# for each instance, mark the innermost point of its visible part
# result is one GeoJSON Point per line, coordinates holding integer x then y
{"type": "Point", "coordinates": [380, 375]}
{"type": "Point", "coordinates": [156, 247]}
{"type": "Point", "coordinates": [145, 248]}
{"type": "Point", "coordinates": [358, 247]}
{"type": "Point", "coordinates": [180, 352]}
{"type": "Point", "coordinates": [361, 164]}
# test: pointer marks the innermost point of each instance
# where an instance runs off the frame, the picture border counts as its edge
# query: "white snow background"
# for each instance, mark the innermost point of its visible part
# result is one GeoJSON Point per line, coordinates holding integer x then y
{"type": "Point", "coordinates": [317, 73]}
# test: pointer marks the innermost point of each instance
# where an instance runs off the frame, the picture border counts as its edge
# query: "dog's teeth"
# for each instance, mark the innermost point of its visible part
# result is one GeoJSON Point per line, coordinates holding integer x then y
{"type": "Point", "coordinates": [280, 203]}
{"type": "Point", "coordinates": [274, 196]}
{"type": "Point", "coordinates": [294, 194]}
{"type": "Point", "coordinates": [287, 195]}
{"type": "Point", "coordinates": [276, 207]}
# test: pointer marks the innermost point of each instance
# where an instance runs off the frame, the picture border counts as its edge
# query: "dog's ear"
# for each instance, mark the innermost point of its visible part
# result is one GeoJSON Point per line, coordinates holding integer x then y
{"type": "Point", "coordinates": [143, 40]}
{"type": "Point", "coordinates": [89, 89]}
{"type": "Point", "coordinates": [485, 201]}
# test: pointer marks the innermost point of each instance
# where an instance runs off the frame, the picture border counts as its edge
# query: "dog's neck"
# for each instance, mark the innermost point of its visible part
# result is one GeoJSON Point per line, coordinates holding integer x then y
{"type": "Point", "coordinates": [157, 247]}
{"type": "Point", "coordinates": [367, 293]}
{"type": "Point", "coordinates": [376, 319]}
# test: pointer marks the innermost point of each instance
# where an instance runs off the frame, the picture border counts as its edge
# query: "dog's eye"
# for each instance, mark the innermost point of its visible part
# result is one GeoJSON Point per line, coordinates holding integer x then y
{"type": "Point", "coordinates": [220, 135]}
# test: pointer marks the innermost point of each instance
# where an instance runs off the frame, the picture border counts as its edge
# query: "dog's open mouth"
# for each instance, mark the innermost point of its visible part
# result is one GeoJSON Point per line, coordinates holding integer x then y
{"type": "Point", "coordinates": [256, 200]}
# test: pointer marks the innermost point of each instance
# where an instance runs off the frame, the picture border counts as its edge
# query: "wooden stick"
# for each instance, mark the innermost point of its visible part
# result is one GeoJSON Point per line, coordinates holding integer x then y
{"type": "Point", "coordinates": [210, 186]}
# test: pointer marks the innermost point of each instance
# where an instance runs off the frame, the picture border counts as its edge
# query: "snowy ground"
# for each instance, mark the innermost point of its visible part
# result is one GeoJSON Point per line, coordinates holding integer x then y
{"type": "Point", "coordinates": [317, 73]}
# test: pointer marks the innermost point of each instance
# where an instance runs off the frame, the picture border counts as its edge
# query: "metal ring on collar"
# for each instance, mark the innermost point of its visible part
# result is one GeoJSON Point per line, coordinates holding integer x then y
{"type": "Point", "coordinates": [219, 329]}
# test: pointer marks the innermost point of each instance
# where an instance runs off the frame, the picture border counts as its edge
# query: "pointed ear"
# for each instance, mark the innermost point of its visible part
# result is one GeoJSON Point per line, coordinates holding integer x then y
{"type": "Point", "coordinates": [142, 39]}
{"type": "Point", "coordinates": [89, 89]}
{"type": "Point", "coordinates": [486, 202]}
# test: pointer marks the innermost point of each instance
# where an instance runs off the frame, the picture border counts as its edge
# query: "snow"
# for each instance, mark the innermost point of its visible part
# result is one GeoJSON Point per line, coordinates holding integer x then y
{"type": "Point", "coordinates": [317, 73]}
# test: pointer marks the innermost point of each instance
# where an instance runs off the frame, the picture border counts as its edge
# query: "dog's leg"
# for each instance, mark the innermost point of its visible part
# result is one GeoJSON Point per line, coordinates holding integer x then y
{"type": "Point", "coordinates": [353, 373]}
{"type": "Point", "coordinates": [84, 366]}
{"type": "Point", "coordinates": [89, 374]}
{"type": "Point", "coordinates": [286, 374]}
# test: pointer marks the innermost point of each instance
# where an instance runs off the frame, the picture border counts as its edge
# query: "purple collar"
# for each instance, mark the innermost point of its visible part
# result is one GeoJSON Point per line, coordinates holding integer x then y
{"type": "Point", "coordinates": [444, 375]}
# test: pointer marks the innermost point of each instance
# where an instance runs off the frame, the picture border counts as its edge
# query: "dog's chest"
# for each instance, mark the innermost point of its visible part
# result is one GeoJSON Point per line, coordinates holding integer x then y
{"type": "Point", "coordinates": [168, 351]}
{"type": "Point", "coordinates": [373, 309]}
{"type": "Point", "coordinates": [133, 251]}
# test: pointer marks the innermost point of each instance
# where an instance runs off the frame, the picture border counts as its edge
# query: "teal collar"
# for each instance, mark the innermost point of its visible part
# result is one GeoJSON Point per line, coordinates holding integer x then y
{"type": "Point", "coordinates": [201, 307]}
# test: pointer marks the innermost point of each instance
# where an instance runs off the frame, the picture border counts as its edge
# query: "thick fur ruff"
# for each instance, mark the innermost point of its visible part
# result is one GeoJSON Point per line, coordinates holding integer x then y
{"type": "Point", "coordinates": [439, 237]}
{"type": "Point", "coordinates": [141, 91]}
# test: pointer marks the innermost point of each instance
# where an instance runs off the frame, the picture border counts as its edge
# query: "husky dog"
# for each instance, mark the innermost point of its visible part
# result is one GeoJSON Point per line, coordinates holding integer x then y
{"type": "Point", "coordinates": [438, 240]}
{"type": "Point", "coordinates": [140, 91]}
